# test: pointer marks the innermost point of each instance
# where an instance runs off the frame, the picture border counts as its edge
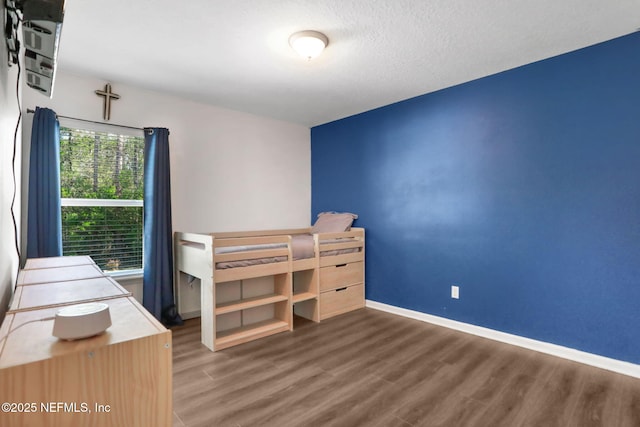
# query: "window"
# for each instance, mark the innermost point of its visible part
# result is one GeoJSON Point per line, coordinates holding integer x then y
{"type": "Point", "coordinates": [101, 183]}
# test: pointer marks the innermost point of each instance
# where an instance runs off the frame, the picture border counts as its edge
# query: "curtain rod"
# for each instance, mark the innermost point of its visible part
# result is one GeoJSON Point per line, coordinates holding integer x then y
{"type": "Point", "coordinates": [29, 110]}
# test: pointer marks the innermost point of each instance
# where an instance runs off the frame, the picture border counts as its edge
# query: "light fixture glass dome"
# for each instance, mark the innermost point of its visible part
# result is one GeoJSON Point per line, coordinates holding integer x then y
{"type": "Point", "coordinates": [308, 44]}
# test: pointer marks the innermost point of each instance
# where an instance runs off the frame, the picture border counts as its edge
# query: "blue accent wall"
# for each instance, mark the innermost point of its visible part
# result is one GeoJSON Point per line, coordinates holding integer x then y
{"type": "Point", "coordinates": [521, 188]}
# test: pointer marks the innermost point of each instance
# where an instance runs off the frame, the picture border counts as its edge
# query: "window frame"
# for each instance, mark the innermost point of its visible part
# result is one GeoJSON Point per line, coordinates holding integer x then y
{"type": "Point", "coordinates": [80, 202]}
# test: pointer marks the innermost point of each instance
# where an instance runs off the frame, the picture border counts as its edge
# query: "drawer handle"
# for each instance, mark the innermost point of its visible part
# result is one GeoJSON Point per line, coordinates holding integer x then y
{"type": "Point", "coordinates": [341, 289]}
{"type": "Point", "coordinates": [341, 265]}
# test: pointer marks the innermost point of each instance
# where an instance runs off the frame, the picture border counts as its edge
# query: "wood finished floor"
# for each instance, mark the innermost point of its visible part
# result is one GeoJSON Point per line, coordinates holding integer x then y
{"type": "Point", "coordinates": [370, 368]}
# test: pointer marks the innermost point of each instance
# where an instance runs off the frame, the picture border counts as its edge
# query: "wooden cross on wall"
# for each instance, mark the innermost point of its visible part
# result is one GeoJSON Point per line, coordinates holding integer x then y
{"type": "Point", "coordinates": [108, 96]}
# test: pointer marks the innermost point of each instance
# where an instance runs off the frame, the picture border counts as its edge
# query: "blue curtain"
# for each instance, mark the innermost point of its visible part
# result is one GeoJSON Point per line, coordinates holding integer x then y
{"type": "Point", "coordinates": [157, 294]}
{"type": "Point", "coordinates": [44, 226]}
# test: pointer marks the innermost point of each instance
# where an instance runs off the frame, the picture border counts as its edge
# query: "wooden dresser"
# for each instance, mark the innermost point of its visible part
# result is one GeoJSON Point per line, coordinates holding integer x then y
{"type": "Point", "coordinates": [341, 285]}
{"type": "Point", "coordinates": [121, 377]}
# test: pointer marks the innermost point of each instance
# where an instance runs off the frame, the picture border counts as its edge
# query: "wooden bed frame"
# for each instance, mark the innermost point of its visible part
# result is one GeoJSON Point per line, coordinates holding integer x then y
{"type": "Point", "coordinates": [241, 304]}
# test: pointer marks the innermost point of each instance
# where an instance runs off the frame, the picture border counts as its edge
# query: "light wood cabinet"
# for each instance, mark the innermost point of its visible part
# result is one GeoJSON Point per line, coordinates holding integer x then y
{"type": "Point", "coordinates": [342, 286]}
{"type": "Point", "coordinates": [120, 377]}
{"type": "Point", "coordinates": [339, 276]}
{"type": "Point", "coordinates": [341, 300]}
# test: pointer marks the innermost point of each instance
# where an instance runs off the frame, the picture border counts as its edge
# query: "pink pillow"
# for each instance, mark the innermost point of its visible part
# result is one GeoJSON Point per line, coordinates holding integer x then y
{"type": "Point", "coordinates": [333, 222]}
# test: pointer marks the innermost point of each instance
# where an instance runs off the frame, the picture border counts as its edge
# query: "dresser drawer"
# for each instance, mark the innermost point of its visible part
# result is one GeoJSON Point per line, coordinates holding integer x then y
{"type": "Point", "coordinates": [339, 276]}
{"type": "Point", "coordinates": [341, 300]}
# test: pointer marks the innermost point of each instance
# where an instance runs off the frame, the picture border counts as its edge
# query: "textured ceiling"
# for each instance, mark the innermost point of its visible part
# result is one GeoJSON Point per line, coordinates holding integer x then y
{"type": "Point", "coordinates": [235, 54]}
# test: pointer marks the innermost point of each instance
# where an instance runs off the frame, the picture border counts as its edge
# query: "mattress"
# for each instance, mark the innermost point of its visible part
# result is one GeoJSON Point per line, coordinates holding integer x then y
{"type": "Point", "coordinates": [302, 247]}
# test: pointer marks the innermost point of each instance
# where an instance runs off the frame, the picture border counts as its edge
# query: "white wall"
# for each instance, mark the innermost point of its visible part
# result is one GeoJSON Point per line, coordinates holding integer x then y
{"type": "Point", "coordinates": [8, 120]}
{"type": "Point", "coordinates": [229, 170]}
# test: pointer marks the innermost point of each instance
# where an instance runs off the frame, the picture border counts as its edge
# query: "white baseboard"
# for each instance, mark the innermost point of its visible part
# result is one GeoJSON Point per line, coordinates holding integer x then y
{"type": "Point", "coordinates": [619, 366]}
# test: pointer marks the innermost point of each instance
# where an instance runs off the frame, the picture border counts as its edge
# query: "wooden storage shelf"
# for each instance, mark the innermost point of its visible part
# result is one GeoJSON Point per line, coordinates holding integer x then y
{"type": "Point", "coordinates": [305, 288]}
{"type": "Point", "coordinates": [243, 304]}
{"type": "Point", "coordinates": [245, 333]}
{"type": "Point", "coordinates": [252, 308]}
{"type": "Point", "coordinates": [303, 296]}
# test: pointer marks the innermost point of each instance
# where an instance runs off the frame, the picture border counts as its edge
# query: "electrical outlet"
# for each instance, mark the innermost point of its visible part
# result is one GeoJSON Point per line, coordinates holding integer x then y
{"type": "Point", "coordinates": [455, 292]}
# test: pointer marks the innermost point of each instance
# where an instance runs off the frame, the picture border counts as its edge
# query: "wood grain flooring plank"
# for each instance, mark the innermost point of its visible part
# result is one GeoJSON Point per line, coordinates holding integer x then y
{"type": "Point", "coordinates": [619, 408]}
{"type": "Point", "coordinates": [265, 400]}
{"type": "Point", "coordinates": [630, 409]}
{"type": "Point", "coordinates": [631, 402]}
{"type": "Point", "coordinates": [552, 400]}
{"type": "Point", "coordinates": [358, 403]}
{"type": "Point", "coordinates": [226, 391]}
{"type": "Point", "coordinates": [369, 368]}
{"type": "Point", "coordinates": [590, 406]}
{"type": "Point", "coordinates": [318, 405]}
{"type": "Point", "coordinates": [390, 420]}
{"type": "Point", "coordinates": [463, 411]}
{"type": "Point", "coordinates": [505, 363]}
{"type": "Point", "coordinates": [419, 360]}
{"type": "Point", "coordinates": [185, 383]}
{"type": "Point", "coordinates": [425, 398]}
{"type": "Point", "coordinates": [505, 408]}
{"type": "Point", "coordinates": [411, 341]}
{"type": "Point", "coordinates": [390, 361]}
{"type": "Point", "coordinates": [197, 358]}
{"type": "Point", "coordinates": [292, 403]}
{"type": "Point", "coordinates": [364, 347]}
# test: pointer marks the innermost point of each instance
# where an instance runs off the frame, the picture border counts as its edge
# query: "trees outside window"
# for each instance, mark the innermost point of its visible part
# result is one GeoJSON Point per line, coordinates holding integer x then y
{"type": "Point", "coordinates": [101, 180]}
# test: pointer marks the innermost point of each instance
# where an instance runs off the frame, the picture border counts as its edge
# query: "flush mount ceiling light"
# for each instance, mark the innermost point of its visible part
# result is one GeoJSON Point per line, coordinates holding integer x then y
{"type": "Point", "coordinates": [308, 44]}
